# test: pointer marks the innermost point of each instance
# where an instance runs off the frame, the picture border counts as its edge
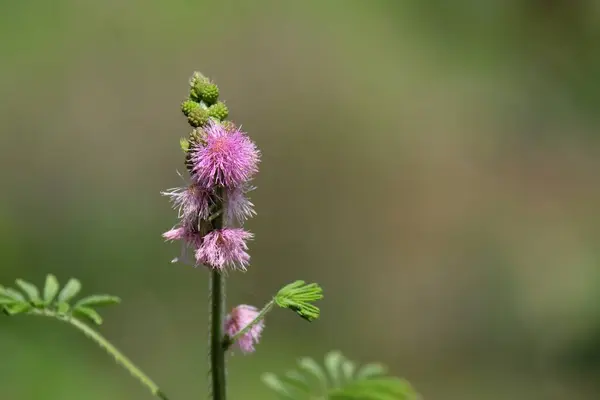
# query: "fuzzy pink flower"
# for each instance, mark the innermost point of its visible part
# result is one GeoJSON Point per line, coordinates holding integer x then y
{"type": "Point", "coordinates": [224, 247]}
{"type": "Point", "coordinates": [191, 202]}
{"type": "Point", "coordinates": [229, 158]}
{"type": "Point", "coordinates": [237, 320]}
{"type": "Point", "coordinates": [175, 234]}
{"type": "Point", "coordinates": [238, 207]}
{"type": "Point", "coordinates": [189, 239]}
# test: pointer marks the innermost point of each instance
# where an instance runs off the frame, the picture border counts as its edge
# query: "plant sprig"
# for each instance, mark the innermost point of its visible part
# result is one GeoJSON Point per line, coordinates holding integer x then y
{"type": "Point", "coordinates": [339, 379]}
{"type": "Point", "coordinates": [53, 299]}
{"type": "Point", "coordinates": [298, 297]}
{"type": "Point", "coordinates": [54, 302]}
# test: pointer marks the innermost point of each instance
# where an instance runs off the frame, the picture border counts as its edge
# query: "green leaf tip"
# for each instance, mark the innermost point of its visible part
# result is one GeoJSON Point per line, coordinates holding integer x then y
{"type": "Point", "coordinates": [97, 300]}
{"type": "Point", "coordinates": [298, 297]}
{"type": "Point", "coordinates": [53, 302]}
{"type": "Point", "coordinates": [70, 290]}
{"type": "Point", "coordinates": [51, 288]}
{"type": "Point", "coordinates": [89, 313]}
{"type": "Point", "coordinates": [11, 294]}
{"type": "Point", "coordinates": [30, 290]}
{"type": "Point", "coordinates": [339, 379]}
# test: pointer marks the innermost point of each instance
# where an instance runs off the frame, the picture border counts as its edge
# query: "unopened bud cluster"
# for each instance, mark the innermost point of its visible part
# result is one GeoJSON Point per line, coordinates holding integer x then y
{"type": "Point", "coordinates": [202, 104]}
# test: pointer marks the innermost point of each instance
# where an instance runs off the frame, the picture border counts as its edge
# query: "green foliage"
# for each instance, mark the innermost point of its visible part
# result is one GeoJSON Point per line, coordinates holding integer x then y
{"type": "Point", "coordinates": [55, 302]}
{"type": "Point", "coordinates": [298, 297]}
{"type": "Point", "coordinates": [50, 289]}
{"type": "Point", "coordinates": [184, 144]}
{"type": "Point", "coordinates": [88, 313]}
{"type": "Point", "coordinates": [30, 290]}
{"type": "Point", "coordinates": [339, 379]}
{"type": "Point", "coordinates": [70, 290]}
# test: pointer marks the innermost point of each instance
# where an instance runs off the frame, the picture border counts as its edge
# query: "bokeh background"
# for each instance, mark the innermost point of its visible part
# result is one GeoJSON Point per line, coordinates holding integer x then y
{"type": "Point", "coordinates": [434, 165]}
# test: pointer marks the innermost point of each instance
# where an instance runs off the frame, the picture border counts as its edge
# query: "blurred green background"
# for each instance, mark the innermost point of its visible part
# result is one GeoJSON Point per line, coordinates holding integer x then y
{"type": "Point", "coordinates": [434, 165]}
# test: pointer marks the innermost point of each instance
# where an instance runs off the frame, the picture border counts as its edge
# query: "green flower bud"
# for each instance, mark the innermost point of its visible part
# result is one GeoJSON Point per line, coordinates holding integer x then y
{"type": "Point", "coordinates": [198, 137]}
{"type": "Point", "coordinates": [197, 77]}
{"type": "Point", "coordinates": [209, 93]}
{"type": "Point", "coordinates": [228, 125]}
{"type": "Point", "coordinates": [197, 84]}
{"type": "Point", "coordinates": [198, 117]}
{"type": "Point", "coordinates": [187, 106]}
{"type": "Point", "coordinates": [196, 92]}
{"type": "Point", "coordinates": [218, 110]}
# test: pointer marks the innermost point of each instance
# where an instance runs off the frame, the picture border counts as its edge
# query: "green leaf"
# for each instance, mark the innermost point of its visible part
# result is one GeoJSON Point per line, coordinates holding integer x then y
{"type": "Point", "coordinates": [12, 294]}
{"type": "Point", "coordinates": [348, 368]}
{"type": "Point", "coordinates": [70, 290]}
{"type": "Point", "coordinates": [339, 382]}
{"type": "Point", "coordinates": [184, 144]}
{"type": "Point", "coordinates": [17, 308]}
{"type": "Point", "coordinates": [292, 385]}
{"type": "Point", "coordinates": [297, 380]}
{"type": "Point", "coordinates": [311, 366]}
{"type": "Point", "coordinates": [333, 362]}
{"type": "Point", "coordinates": [30, 290]}
{"type": "Point", "coordinates": [376, 389]}
{"type": "Point", "coordinates": [274, 383]}
{"type": "Point", "coordinates": [7, 300]}
{"type": "Point", "coordinates": [50, 289]}
{"type": "Point", "coordinates": [291, 286]}
{"type": "Point", "coordinates": [298, 296]}
{"type": "Point", "coordinates": [371, 370]}
{"type": "Point", "coordinates": [89, 313]}
{"type": "Point", "coordinates": [97, 300]}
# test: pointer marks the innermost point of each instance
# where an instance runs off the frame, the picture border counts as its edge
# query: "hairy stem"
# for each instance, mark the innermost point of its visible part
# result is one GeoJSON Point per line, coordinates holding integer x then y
{"type": "Point", "coordinates": [217, 310]}
{"type": "Point", "coordinates": [229, 341]}
{"type": "Point", "coordinates": [106, 345]}
{"type": "Point", "coordinates": [217, 354]}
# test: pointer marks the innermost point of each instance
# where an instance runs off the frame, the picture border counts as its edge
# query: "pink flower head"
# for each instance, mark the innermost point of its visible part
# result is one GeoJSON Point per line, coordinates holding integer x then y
{"type": "Point", "coordinates": [238, 207]}
{"type": "Point", "coordinates": [229, 158]}
{"type": "Point", "coordinates": [237, 320]}
{"type": "Point", "coordinates": [191, 203]}
{"type": "Point", "coordinates": [224, 247]}
{"type": "Point", "coordinates": [175, 234]}
{"type": "Point", "coordinates": [188, 238]}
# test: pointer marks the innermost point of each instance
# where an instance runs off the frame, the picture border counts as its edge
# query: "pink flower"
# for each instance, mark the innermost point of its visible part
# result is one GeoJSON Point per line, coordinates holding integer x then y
{"type": "Point", "coordinates": [237, 320]}
{"type": "Point", "coordinates": [174, 234]}
{"type": "Point", "coordinates": [238, 207]}
{"type": "Point", "coordinates": [224, 247]}
{"type": "Point", "coordinates": [191, 202]}
{"type": "Point", "coordinates": [189, 239]}
{"type": "Point", "coordinates": [229, 158]}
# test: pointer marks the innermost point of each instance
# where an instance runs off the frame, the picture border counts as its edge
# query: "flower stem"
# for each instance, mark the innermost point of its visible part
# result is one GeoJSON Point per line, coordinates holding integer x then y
{"type": "Point", "coordinates": [217, 310]}
{"type": "Point", "coordinates": [217, 353]}
{"type": "Point", "coordinates": [229, 341]}
{"type": "Point", "coordinates": [106, 345]}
